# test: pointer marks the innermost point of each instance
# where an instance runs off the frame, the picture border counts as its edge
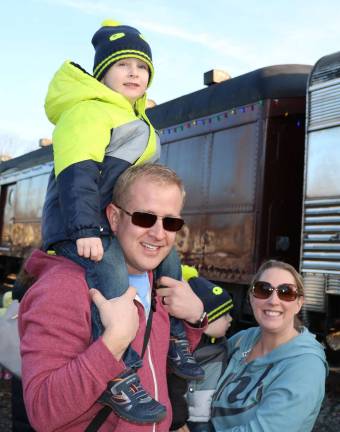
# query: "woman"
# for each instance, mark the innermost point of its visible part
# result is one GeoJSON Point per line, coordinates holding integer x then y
{"type": "Point", "coordinates": [275, 379]}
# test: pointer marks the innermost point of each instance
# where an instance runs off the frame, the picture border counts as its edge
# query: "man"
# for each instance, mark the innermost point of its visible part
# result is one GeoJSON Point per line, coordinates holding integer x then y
{"type": "Point", "coordinates": [64, 372]}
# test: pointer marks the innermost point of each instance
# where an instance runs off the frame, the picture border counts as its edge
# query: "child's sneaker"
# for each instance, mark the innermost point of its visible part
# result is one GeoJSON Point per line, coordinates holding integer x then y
{"type": "Point", "coordinates": [128, 399]}
{"type": "Point", "coordinates": [181, 362]}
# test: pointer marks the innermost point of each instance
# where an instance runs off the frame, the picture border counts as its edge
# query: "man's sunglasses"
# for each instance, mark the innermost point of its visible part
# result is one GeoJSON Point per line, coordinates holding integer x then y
{"type": "Point", "coordinates": [147, 220]}
{"type": "Point", "coordinates": [263, 290]}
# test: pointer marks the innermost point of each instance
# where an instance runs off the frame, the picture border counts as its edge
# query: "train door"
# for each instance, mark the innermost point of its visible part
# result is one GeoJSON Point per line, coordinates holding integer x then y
{"type": "Point", "coordinates": [7, 212]}
{"type": "Point", "coordinates": [320, 251]}
{"type": "Point", "coordinates": [280, 222]}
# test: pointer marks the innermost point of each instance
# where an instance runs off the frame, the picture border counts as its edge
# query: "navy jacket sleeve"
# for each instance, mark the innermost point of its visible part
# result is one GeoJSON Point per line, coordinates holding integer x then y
{"type": "Point", "coordinates": [78, 190]}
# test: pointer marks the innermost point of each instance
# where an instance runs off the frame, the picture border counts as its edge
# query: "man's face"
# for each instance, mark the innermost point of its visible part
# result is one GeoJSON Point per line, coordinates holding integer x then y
{"type": "Point", "coordinates": [145, 248]}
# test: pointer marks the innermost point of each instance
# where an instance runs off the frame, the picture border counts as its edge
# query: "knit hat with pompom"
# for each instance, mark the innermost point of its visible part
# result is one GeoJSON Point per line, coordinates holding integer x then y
{"type": "Point", "coordinates": [113, 42]}
{"type": "Point", "coordinates": [216, 300]}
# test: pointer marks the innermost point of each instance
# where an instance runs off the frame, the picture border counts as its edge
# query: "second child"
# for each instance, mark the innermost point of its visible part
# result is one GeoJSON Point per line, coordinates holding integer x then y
{"type": "Point", "coordinates": [192, 401]}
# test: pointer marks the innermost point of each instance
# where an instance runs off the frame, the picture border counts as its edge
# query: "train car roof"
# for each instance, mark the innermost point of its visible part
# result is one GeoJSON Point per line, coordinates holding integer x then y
{"type": "Point", "coordinates": [272, 82]}
{"type": "Point", "coordinates": [326, 69]}
{"type": "Point", "coordinates": [28, 160]}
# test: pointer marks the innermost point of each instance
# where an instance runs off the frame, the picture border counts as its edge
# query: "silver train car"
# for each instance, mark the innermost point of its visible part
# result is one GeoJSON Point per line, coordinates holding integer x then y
{"type": "Point", "coordinates": [320, 239]}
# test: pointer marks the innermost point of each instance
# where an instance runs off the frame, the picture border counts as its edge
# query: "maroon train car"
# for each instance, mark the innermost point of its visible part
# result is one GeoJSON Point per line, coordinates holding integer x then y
{"type": "Point", "coordinates": [239, 147]}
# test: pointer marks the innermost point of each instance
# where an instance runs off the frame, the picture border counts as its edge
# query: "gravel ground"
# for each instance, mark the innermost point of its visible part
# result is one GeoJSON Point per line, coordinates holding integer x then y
{"type": "Point", "coordinates": [5, 406]}
{"type": "Point", "coordinates": [328, 420]}
{"type": "Point", "coordinates": [329, 417]}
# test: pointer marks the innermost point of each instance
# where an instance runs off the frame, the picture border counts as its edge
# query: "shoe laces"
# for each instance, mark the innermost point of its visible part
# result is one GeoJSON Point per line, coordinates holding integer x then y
{"type": "Point", "coordinates": [184, 349]}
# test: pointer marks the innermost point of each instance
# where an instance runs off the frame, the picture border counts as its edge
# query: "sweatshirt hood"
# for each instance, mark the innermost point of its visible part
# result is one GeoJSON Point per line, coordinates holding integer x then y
{"type": "Point", "coordinates": [40, 263]}
{"type": "Point", "coordinates": [303, 343]}
{"type": "Point", "coordinates": [72, 85]}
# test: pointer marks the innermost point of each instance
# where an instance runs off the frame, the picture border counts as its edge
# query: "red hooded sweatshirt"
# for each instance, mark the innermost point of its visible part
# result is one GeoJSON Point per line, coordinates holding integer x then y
{"type": "Point", "coordinates": [63, 372]}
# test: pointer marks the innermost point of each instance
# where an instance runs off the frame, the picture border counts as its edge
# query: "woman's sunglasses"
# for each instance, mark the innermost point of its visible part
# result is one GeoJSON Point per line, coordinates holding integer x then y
{"type": "Point", "coordinates": [147, 220]}
{"type": "Point", "coordinates": [263, 290]}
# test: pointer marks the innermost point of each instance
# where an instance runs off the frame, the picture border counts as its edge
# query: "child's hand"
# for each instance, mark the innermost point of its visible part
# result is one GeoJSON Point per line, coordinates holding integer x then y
{"type": "Point", "coordinates": [90, 247]}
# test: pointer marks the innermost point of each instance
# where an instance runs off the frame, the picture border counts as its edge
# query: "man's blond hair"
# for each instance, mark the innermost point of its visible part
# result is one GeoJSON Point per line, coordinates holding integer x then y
{"type": "Point", "coordinates": [155, 173]}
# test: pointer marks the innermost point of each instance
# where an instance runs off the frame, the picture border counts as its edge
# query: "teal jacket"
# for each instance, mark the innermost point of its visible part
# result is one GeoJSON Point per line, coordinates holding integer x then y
{"type": "Point", "coordinates": [98, 134]}
{"type": "Point", "coordinates": [281, 391]}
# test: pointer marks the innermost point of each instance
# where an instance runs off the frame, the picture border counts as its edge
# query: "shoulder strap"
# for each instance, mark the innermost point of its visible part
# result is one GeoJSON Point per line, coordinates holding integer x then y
{"type": "Point", "coordinates": [147, 332]}
{"type": "Point", "coordinates": [99, 419]}
{"type": "Point", "coordinates": [103, 414]}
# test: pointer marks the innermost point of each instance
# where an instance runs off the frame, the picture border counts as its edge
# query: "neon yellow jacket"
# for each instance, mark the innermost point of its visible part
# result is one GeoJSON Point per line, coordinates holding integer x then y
{"type": "Point", "coordinates": [98, 135]}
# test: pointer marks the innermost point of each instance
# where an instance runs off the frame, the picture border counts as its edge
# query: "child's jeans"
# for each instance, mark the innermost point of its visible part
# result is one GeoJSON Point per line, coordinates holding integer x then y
{"type": "Point", "coordinates": [110, 277]}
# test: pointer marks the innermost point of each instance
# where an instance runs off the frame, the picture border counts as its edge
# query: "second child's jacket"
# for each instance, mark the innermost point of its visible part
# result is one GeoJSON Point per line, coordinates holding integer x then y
{"type": "Point", "coordinates": [212, 357]}
{"type": "Point", "coordinates": [98, 135]}
{"type": "Point", "coordinates": [192, 400]}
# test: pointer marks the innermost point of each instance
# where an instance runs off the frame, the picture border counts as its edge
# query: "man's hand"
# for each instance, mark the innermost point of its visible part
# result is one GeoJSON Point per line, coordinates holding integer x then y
{"type": "Point", "coordinates": [90, 247]}
{"type": "Point", "coordinates": [179, 299]}
{"type": "Point", "coordinates": [120, 319]}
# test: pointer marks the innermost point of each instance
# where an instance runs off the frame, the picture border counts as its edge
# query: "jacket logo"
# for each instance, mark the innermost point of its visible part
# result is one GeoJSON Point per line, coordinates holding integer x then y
{"type": "Point", "coordinates": [238, 388]}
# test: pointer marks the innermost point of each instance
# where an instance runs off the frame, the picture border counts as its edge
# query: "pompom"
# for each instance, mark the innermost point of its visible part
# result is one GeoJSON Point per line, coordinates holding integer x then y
{"type": "Point", "coordinates": [110, 23]}
{"type": "Point", "coordinates": [188, 272]}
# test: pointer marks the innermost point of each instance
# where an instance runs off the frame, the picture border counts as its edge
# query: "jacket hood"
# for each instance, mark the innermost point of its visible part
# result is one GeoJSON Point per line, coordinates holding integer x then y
{"type": "Point", "coordinates": [40, 263]}
{"type": "Point", "coordinates": [304, 343]}
{"type": "Point", "coordinates": [71, 85]}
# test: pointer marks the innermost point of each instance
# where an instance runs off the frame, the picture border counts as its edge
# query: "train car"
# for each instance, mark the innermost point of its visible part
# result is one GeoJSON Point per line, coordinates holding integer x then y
{"type": "Point", "coordinates": [239, 147]}
{"type": "Point", "coordinates": [320, 244]}
{"type": "Point", "coordinates": [23, 184]}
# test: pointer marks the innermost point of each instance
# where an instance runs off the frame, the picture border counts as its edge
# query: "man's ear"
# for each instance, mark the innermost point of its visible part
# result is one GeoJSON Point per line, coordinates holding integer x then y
{"type": "Point", "coordinates": [112, 214]}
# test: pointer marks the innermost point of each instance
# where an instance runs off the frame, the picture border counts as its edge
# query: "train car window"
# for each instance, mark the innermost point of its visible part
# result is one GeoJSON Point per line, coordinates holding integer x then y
{"type": "Point", "coordinates": [233, 156]}
{"type": "Point", "coordinates": [8, 211]}
{"type": "Point", "coordinates": [30, 198]}
{"type": "Point", "coordinates": [323, 175]}
{"type": "Point", "coordinates": [189, 159]}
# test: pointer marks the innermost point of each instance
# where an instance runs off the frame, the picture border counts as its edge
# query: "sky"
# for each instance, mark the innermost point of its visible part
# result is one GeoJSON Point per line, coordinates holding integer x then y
{"type": "Point", "coordinates": [187, 38]}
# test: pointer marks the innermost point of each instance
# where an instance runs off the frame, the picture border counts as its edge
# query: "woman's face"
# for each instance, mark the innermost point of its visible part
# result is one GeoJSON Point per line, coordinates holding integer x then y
{"type": "Point", "coordinates": [272, 314]}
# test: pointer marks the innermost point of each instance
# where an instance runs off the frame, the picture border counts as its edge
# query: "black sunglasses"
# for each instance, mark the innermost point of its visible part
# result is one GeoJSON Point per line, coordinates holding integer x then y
{"type": "Point", "coordinates": [147, 220]}
{"type": "Point", "coordinates": [263, 290]}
